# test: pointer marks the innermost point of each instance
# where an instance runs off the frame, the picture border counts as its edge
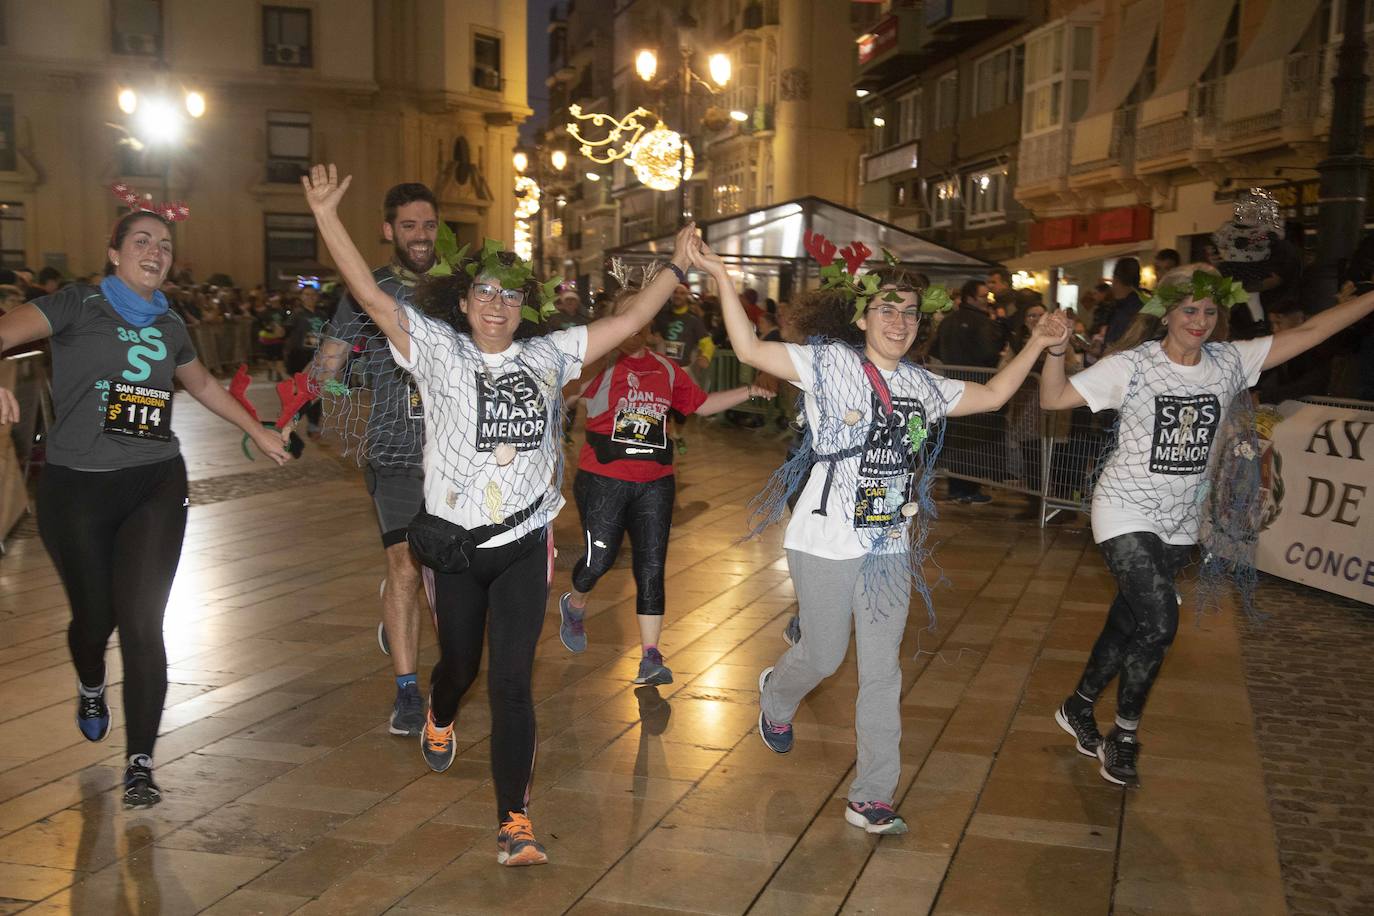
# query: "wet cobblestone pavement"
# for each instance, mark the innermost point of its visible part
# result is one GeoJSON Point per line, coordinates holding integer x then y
{"type": "Point", "coordinates": [1310, 673]}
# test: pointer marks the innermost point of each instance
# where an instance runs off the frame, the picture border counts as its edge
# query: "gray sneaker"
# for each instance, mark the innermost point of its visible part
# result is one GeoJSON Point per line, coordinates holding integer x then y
{"type": "Point", "coordinates": [408, 712]}
{"type": "Point", "coordinates": [778, 736]}
{"type": "Point", "coordinates": [791, 634]}
{"type": "Point", "coordinates": [652, 671]}
{"type": "Point", "coordinates": [571, 630]}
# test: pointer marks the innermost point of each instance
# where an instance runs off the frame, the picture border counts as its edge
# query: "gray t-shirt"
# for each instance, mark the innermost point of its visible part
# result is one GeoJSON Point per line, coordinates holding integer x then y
{"type": "Point", "coordinates": [96, 354]}
{"type": "Point", "coordinates": [395, 429]}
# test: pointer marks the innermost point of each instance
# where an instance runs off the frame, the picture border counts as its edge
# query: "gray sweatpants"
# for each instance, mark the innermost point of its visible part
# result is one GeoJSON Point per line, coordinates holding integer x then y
{"type": "Point", "coordinates": [830, 594]}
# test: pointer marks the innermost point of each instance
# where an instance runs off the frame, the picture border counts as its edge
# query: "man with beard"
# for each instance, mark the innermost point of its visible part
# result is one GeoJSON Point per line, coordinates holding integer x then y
{"type": "Point", "coordinates": [394, 432]}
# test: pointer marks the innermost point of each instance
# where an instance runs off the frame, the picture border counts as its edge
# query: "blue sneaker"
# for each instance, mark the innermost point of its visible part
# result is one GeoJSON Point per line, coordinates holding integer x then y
{"type": "Point", "coordinates": [874, 817]}
{"type": "Point", "coordinates": [93, 716]}
{"type": "Point", "coordinates": [408, 712]}
{"type": "Point", "coordinates": [777, 736]}
{"type": "Point", "coordinates": [652, 671]}
{"type": "Point", "coordinates": [571, 629]}
{"type": "Point", "coordinates": [791, 634]}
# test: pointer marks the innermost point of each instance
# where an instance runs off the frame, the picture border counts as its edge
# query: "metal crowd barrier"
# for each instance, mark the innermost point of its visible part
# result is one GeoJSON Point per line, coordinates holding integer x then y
{"type": "Point", "coordinates": [223, 346]}
{"type": "Point", "coordinates": [726, 372]}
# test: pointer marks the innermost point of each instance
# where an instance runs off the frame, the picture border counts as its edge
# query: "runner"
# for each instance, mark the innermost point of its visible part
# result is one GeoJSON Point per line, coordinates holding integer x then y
{"type": "Point", "coordinates": [112, 500]}
{"type": "Point", "coordinates": [1163, 488]}
{"type": "Point", "coordinates": [492, 462]}
{"type": "Point", "coordinates": [873, 422]}
{"type": "Point", "coordinates": [687, 342]}
{"type": "Point", "coordinates": [388, 436]}
{"type": "Point", "coordinates": [625, 481]}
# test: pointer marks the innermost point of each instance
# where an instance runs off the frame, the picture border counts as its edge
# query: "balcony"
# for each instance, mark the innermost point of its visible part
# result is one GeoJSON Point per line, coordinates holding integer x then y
{"type": "Point", "coordinates": [891, 162]}
{"type": "Point", "coordinates": [1103, 152]}
{"type": "Point", "coordinates": [1042, 166]}
{"type": "Point", "coordinates": [949, 15]}
{"type": "Point", "coordinates": [1274, 104]}
{"type": "Point", "coordinates": [888, 52]}
{"type": "Point", "coordinates": [1182, 139]}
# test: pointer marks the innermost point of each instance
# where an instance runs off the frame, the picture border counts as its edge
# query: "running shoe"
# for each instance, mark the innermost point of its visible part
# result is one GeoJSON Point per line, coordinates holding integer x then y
{"type": "Point", "coordinates": [1117, 754]}
{"type": "Point", "coordinates": [408, 712]}
{"type": "Point", "coordinates": [139, 789]}
{"type": "Point", "coordinates": [652, 670]}
{"type": "Point", "coordinates": [1082, 726]}
{"type": "Point", "coordinates": [874, 817]}
{"type": "Point", "coordinates": [437, 745]}
{"type": "Point", "coordinates": [515, 843]}
{"type": "Point", "coordinates": [93, 716]}
{"type": "Point", "coordinates": [777, 736]}
{"type": "Point", "coordinates": [572, 629]}
{"type": "Point", "coordinates": [791, 633]}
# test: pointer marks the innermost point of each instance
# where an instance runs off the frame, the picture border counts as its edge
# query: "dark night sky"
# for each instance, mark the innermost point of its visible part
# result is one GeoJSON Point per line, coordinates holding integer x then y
{"type": "Point", "coordinates": [537, 54]}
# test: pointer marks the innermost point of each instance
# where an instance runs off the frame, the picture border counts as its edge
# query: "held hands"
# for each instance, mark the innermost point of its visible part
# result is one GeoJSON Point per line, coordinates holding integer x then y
{"type": "Point", "coordinates": [272, 443]}
{"type": "Point", "coordinates": [9, 407]}
{"type": "Point", "coordinates": [323, 190]}
{"type": "Point", "coordinates": [759, 391]}
{"type": "Point", "coordinates": [682, 246]}
{"type": "Point", "coordinates": [703, 258]}
{"type": "Point", "coordinates": [1052, 332]}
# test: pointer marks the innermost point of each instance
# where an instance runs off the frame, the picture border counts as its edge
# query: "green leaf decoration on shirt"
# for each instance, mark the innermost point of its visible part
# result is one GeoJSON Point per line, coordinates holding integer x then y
{"type": "Point", "coordinates": [335, 387]}
{"type": "Point", "coordinates": [915, 432]}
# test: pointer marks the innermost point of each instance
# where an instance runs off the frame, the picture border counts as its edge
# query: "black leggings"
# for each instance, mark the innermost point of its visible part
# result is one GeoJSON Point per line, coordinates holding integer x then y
{"type": "Point", "coordinates": [503, 594]}
{"type": "Point", "coordinates": [115, 538]}
{"type": "Point", "coordinates": [609, 507]}
{"type": "Point", "coordinates": [1142, 620]}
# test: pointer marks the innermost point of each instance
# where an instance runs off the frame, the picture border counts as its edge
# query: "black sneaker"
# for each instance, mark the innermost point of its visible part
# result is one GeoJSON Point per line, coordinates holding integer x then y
{"type": "Point", "coordinates": [408, 712]}
{"type": "Point", "coordinates": [791, 634]}
{"type": "Point", "coordinates": [1082, 726]}
{"type": "Point", "coordinates": [1117, 753]}
{"type": "Point", "coordinates": [778, 736]}
{"type": "Point", "coordinates": [139, 789]}
{"type": "Point", "coordinates": [93, 716]}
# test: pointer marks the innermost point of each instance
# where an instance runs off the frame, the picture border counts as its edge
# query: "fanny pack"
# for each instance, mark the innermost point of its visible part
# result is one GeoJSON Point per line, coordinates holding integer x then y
{"type": "Point", "coordinates": [449, 548]}
{"type": "Point", "coordinates": [608, 450]}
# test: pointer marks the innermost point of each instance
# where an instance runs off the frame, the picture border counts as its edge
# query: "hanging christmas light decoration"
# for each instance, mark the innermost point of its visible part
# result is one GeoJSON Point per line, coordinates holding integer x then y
{"type": "Point", "coordinates": [655, 159]}
{"type": "Point", "coordinates": [524, 240]}
{"type": "Point", "coordinates": [621, 134]}
{"type": "Point", "coordinates": [526, 197]}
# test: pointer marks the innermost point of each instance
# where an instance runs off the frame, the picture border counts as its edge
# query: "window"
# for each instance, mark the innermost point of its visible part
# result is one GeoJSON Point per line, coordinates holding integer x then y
{"type": "Point", "coordinates": [1058, 76]}
{"type": "Point", "coordinates": [486, 62]}
{"type": "Point", "coordinates": [286, 37]}
{"type": "Point", "coordinates": [909, 117]}
{"type": "Point", "coordinates": [742, 93]}
{"type": "Point", "coordinates": [9, 158]}
{"type": "Point", "coordinates": [947, 100]}
{"type": "Point", "coordinates": [289, 242]}
{"type": "Point", "coordinates": [985, 201]}
{"type": "Point", "coordinates": [997, 79]}
{"type": "Point", "coordinates": [136, 27]}
{"type": "Point", "coordinates": [941, 197]}
{"type": "Point", "coordinates": [11, 234]}
{"type": "Point", "coordinates": [288, 145]}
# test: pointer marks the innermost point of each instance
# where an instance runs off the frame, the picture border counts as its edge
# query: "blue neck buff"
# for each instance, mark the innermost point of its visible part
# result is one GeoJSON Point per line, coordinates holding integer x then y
{"type": "Point", "coordinates": [132, 307]}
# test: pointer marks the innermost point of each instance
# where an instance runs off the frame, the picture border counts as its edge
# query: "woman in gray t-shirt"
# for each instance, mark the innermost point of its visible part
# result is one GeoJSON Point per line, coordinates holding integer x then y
{"type": "Point", "coordinates": [112, 501]}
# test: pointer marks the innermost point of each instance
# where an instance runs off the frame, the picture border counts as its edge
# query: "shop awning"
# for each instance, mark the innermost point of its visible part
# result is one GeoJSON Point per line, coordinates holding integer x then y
{"type": "Point", "coordinates": [1044, 260]}
{"type": "Point", "coordinates": [774, 233]}
{"type": "Point", "coordinates": [1134, 38]}
{"type": "Point", "coordinates": [1203, 29]}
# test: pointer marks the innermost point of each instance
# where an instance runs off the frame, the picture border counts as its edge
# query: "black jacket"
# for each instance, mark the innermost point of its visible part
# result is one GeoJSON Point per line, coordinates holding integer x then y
{"type": "Point", "coordinates": [970, 336]}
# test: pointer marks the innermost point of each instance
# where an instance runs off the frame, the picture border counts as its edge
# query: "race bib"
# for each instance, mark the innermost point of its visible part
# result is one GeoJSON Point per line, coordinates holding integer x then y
{"type": "Point", "coordinates": [415, 405]}
{"type": "Point", "coordinates": [639, 429]}
{"type": "Point", "coordinates": [885, 465]}
{"type": "Point", "coordinates": [1184, 429]}
{"type": "Point", "coordinates": [673, 349]}
{"type": "Point", "coordinates": [138, 411]}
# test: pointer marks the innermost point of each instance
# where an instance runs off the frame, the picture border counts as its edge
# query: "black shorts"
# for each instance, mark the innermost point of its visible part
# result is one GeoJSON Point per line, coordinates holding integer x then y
{"type": "Point", "coordinates": [397, 494]}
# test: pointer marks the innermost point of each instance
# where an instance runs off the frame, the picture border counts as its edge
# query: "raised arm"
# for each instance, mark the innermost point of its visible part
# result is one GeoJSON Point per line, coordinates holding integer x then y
{"type": "Point", "coordinates": [605, 334]}
{"type": "Point", "coordinates": [1294, 341]}
{"type": "Point", "coordinates": [1052, 331]}
{"type": "Point", "coordinates": [23, 325]}
{"type": "Point", "coordinates": [323, 191]}
{"type": "Point", "coordinates": [1055, 391]}
{"type": "Point", "coordinates": [769, 355]}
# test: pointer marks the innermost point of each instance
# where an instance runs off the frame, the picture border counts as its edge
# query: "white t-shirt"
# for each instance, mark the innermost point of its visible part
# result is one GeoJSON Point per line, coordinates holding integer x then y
{"type": "Point", "coordinates": [868, 488]}
{"type": "Point", "coordinates": [1170, 417]}
{"type": "Point", "coordinates": [476, 403]}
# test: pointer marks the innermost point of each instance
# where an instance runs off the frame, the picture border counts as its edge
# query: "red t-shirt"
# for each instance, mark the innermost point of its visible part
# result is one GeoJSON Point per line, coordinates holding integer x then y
{"type": "Point", "coordinates": [627, 406]}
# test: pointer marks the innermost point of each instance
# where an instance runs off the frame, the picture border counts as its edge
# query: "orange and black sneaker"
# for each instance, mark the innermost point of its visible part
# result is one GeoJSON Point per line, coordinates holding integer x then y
{"type": "Point", "coordinates": [515, 843]}
{"type": "Point", "coordinates": [437, 744]}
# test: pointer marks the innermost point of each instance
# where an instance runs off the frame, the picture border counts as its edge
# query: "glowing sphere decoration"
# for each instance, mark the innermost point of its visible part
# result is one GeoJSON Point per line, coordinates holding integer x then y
{"type": "Point", "coordinates": [655, 159]}
{"type": "Point", "coordinates": [526, 197]}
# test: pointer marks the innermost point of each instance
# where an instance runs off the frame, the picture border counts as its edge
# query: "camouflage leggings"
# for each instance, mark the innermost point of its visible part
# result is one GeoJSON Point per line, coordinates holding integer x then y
{"type": "Point", "coordinates": [1142, 620]}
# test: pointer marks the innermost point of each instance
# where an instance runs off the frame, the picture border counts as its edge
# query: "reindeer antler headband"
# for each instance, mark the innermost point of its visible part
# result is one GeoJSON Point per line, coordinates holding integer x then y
{"type": "Point", "coordinates": [861, 288]}
{"type": "Point", "coordinates": [173, 212]}
{"type": "Point", "coordinates": [625, 275]}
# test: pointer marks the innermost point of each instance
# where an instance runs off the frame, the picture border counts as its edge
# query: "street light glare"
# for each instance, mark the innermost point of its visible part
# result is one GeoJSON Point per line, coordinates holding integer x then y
{"type": "Point", "coordinates": [592, 176]}
{"type": "Point", "coordinates": [128, 101]}
{"type": "Point", "coordinates": [860, 93]}
{"type": "Point", "coordinates": [559, 159]}
{"type": "Point", "coordinates": [739, 116]}
{"type": "Point", "coordinates": [159, 122]}
{"type": "Point", "coordinates": [195, 104]}
{"type": "Point", "coordinates": [879, 122]}
{"type": "Point", "coordinates": [720, 69]}
{"type": "Point", "coordinates": [646, 64]}
{"type": "Point", "coordinates": [520, 160]}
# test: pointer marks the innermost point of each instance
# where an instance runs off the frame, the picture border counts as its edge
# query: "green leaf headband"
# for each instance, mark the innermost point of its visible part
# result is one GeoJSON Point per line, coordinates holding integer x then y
{"type": "Point", "coordinates": [487, 263]}
{"type": "Point", "coordinates": [1223, 291]}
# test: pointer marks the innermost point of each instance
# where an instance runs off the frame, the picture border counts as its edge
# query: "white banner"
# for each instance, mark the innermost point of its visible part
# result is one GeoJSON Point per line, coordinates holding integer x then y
{"type": "Point", "coordinates": [1318, 526]}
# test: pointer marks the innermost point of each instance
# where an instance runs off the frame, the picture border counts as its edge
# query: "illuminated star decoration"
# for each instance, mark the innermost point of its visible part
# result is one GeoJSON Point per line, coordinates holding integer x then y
{"type": "Point", "coordinates": [620, 138]}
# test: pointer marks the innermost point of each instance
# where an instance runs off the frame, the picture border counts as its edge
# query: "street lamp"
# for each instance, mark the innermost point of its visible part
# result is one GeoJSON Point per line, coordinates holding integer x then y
{"type": "Point", "coordinates": [719, 66]}
{"type": "Point", "coordinates": [559, 159]}
{"type": "Point", "coordinates": [520, 161]}
{"type": "Point", "coordinates": [646, 65]}
{"type": "Point", "coordinates": [155, 120]}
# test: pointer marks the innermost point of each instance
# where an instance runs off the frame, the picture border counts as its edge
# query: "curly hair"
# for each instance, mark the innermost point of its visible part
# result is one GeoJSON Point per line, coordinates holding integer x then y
{"type": "Point", "coordinates": [824, 314]}
{"type": "Point", "coordinates": [441, 297]}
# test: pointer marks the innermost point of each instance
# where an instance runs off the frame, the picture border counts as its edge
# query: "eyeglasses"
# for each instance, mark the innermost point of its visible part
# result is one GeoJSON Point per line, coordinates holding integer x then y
{"type": "Point", "coordinates": [891, 313]}
{"type": "Point", "coordinates": [485, 292]}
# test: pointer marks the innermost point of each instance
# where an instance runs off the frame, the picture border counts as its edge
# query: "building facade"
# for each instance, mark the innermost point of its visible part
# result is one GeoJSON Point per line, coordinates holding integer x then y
{"type": "Point", "coordinates": [428, 91]}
